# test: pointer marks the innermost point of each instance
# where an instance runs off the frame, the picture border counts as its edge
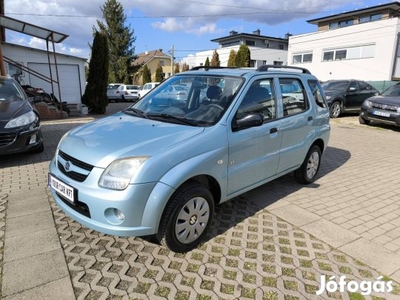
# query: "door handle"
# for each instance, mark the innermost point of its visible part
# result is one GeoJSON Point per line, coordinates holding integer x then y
{"type": "Point", "coordinates": [273, 130]}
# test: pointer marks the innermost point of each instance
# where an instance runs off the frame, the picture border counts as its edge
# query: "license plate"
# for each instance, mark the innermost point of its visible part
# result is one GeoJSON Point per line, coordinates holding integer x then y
{"type": "Point", "coordinates": [381, 113]}
{"type": "Point", "coordinates": [62, 188]}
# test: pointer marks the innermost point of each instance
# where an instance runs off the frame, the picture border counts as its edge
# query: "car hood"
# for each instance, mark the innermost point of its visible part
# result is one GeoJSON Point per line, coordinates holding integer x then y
{"type": "Point", "coordinates": [101, 142]}
{"type": "Point", "coordinates": [392, 100]}
{"type": "Point", "coordinates": [12, 109]}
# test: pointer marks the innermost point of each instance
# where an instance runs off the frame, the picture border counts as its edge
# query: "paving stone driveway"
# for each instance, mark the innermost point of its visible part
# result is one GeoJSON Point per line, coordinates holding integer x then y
{"type": "Point", "coordinates": [274, 242]}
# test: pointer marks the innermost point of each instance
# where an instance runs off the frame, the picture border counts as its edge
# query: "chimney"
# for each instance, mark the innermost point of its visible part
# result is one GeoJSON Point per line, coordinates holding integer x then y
{"type": "Point", "coordinates": [257, 32]}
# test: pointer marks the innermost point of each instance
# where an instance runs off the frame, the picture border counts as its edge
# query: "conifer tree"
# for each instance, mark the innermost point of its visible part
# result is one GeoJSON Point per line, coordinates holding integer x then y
{"type": "Point", "coordinates": [120, 42]}
{"type": "Point", "coordinates": [231, 59]}
{"type": "Point", "coordinates": [146, 76]}
{"type": "Point", "coordinates": [185, 67]}
{"type": "Point", "coordinates": [95, 96]}
{"type": "Point", "coordinates": [243, 57]}
{"type": "Point", "coordinates": [207, 62]}
{"type": "Point", "coordinates": [215, 59]}
{"type": "Point", "coordinates": [176, 69]}
{"type": "Point", "coordinates": [159, 73]}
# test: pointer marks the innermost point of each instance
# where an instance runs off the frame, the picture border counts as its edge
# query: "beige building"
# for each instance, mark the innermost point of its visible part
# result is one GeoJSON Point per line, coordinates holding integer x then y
{"type": "Point", "coordinates": [152, 59]}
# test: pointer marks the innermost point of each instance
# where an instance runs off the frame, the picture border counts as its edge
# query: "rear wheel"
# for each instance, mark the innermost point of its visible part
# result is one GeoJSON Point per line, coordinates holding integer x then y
{"type": "Point", "coordinates": [309, 169]}
{"type": "Point", "coordinates": [336, 109]}
{"type": "Point", "coordinates": [361, 120]}
{"type": "Point", "coordinates": [186, 218]}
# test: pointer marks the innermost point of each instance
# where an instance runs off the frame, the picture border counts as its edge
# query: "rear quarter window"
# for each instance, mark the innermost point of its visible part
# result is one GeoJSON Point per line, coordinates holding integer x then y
{"type": "Point", "coordinates": [317, 92]}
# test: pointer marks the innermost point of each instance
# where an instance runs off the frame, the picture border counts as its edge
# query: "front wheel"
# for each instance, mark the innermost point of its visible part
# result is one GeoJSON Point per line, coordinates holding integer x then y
{"type": "Point", "coordinates": [309, 169]}
{"type": "Point", "coordinates": [186, 218]}
{"type": "Point", "coordinates": [335, 110]}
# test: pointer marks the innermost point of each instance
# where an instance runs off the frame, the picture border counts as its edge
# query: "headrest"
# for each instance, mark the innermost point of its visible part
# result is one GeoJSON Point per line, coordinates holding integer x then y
{"type": "Point", "coordinates": [213, 92]}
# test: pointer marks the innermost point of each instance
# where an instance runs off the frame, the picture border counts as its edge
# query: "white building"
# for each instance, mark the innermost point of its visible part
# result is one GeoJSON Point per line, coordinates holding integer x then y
{"type": "Point", "coordinates": [71, 71]}
{"type": "Point", "coordinates": [361, 44]}
{"type": "Point", "coordinates": [263, 49]}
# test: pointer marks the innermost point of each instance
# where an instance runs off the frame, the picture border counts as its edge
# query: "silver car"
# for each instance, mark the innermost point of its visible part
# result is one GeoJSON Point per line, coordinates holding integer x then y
{"type": "Point", "coordinates": [159, 168]}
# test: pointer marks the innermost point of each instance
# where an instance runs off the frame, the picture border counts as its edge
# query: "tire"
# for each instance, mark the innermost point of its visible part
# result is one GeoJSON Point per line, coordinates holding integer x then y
{"type": "Point", "coordinates": [335, 110]}
{"type": "Point", "coordinates": [186, 218]}
{"type": "Point", "coordinates": [309, 169]}
{"type": "Point", "coordinates": [362, 121]}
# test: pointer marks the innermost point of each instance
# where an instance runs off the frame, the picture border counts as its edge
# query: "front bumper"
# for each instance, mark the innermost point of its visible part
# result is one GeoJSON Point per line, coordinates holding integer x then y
{"type": "Point", "coordinates": [95, 207]}
{"type": "Point", "coordinates": [382, 116]}
{"type": "Point", "coordinates": [20, 140]}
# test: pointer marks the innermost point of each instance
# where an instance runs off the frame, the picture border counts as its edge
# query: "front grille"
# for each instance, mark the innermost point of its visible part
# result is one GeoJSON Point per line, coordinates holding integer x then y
{"type": "Point", "coordinates": [71, 174]}
{"type": "Point", "coordinates": [385, 106]}
{"type": "Point", "coordinates": [7, 138]}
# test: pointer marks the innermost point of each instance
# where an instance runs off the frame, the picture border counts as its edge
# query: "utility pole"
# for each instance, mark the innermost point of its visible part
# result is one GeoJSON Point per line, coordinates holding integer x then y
{"type": "Point", "coordinates": [172, 60]}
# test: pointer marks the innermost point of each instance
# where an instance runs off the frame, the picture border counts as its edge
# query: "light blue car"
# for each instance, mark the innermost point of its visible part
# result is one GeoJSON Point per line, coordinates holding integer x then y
{"type": "Point", "coordinates": [160, 166]}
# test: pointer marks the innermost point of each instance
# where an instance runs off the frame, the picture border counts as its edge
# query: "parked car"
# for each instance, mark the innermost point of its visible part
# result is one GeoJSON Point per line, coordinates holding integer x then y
{"type": "Point", "coordinates": [128, 92]}
{"type": "Point", "coordinates": [176, 93]}
{"type": "Point", "coordinates": [158, 168]}
{"type": "Point", "coordinates": [113, 92]}
{"type": "Point", "coordinates": [147, 87]}
{"type": "Point", "coordinates": [383, 108]}
{"type": "Point", "coordinates": [19, 120]}
{"type": "Point", "coordinates": [346, 95]}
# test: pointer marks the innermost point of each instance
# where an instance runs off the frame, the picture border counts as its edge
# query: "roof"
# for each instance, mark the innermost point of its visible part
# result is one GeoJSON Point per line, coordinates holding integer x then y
{"type": "Point", "coordinates": [145, 57]}
{"type": "Point", "coordinates": [235, 35]}
{"type": "Point", "coordinates": [393, 6]}
{"type": "Point", "coordinates": [31, 29]}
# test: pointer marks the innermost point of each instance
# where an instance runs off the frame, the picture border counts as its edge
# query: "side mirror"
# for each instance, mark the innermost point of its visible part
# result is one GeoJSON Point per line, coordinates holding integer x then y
{"type": "Point", "coordinates": [247, 121]}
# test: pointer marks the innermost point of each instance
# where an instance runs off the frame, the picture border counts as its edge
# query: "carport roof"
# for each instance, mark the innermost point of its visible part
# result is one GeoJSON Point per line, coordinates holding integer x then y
{"type": "Point", "coordinates": [32, 30]}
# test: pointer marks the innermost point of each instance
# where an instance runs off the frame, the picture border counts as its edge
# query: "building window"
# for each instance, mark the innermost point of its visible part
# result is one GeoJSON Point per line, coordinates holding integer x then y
{"type": "Point", "coordinates": [250, 43]}
{"type": "Point", "coordinates": [362, 51]}
{"type": "Point", "coordinates": [278, 63]}
{"type": "Point", "coordinates": [252, 63]}
{"type": "Point", "coordinates": [162, 63]}
{"type": "Point", "coordinates": [341, 24]}
{"type": "Point", "coordinates": [370, 18]}
{"type": "Point", "coordinates": [302, 58]}
{"type": "Point", "coordinates": [328, 55]}
{"type": "Point", "coordinates": [281, 46]}
{"type": "Point", "coordinates": [340, 54]}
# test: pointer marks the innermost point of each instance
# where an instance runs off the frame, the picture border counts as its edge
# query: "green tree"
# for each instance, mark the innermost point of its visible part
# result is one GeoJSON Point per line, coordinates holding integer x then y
{"type": "Point", "coordinates": [176, 69]}
{"type": "Point", "coordinates": [232, 58]}
{"type": "Point", "coordinates": [185, 67]}
{"type": "Point", "coordinates": [159, 73]}
{"type": "Point", "coordinates": [215, 59]}
{"type": "Point", "coordinates": [120, 42]}
{"type": "Point", "coordinates": [243, 57]}
{"type": "Point", "coordinates": [146, 76]}
{"type": "Point", "coordinates": [207, 62]}
{"type": "Point", "coordinates": [95, 96]}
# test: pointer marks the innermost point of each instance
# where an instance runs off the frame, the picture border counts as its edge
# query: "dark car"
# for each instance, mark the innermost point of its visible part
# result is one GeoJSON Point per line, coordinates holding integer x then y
{"type": "Point", "coordinates": [346, 95]}
{"type": "Point", "coordinates": [383, 108]}
{"type": "Point", "coordinates": [19, 121]}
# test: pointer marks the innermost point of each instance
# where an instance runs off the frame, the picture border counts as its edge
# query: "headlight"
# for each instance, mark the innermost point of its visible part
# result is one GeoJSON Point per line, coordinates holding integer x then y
{"type": "Point", "coordinates": [367, 103]}
{"type": "Point", "coordinates": [23, 120]}
{"type": "Point", "coordinates": [120, 172]}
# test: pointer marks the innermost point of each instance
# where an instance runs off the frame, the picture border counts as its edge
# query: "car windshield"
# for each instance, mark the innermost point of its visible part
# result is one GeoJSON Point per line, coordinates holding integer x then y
{"type": "Point", "coordinates": [394, 90]}
{"type": "Point", "coordinates": [188, 99]}
{"type": "Point", "coordinates": [335, 85]}
{"type": "Point", "coordinates": [9, 91]}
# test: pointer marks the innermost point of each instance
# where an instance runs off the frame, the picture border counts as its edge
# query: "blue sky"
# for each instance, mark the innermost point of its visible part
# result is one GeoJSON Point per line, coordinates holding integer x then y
{"type": "Point", "coordinates": [186, 25]}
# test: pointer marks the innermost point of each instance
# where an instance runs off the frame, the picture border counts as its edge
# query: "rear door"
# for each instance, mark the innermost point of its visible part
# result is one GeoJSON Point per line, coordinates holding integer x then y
{"type": "Point", "coordinates": [254, 151]}
{"type": "Point", "coordinates": [296, 127]}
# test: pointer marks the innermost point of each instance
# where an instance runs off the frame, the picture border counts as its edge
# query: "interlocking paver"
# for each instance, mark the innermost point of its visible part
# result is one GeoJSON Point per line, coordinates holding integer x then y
{"type": "Point", "coordinates": [255, 249]}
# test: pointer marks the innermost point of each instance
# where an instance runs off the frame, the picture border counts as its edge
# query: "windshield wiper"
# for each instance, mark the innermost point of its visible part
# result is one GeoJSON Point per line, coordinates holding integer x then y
{"type": "Point", "coordinates": [136, 111]}
{"type": "Point", "coordinates": [181, 120]}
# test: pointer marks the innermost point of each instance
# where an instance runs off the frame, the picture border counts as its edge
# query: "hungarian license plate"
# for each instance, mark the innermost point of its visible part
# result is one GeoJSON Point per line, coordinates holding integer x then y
{"type": "Point", "coordinates": [381, 113]}
{"type": "Point", "coordinates": [62, 188]}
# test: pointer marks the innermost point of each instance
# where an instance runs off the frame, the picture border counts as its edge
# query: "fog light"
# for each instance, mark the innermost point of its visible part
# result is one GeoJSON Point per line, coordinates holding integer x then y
{"type": "Point", "coordinates": [114, 216]}
{"type": "Point", "coordinates": [33, 139]}
{"type": "Point", "coordinates": [119, 214]}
